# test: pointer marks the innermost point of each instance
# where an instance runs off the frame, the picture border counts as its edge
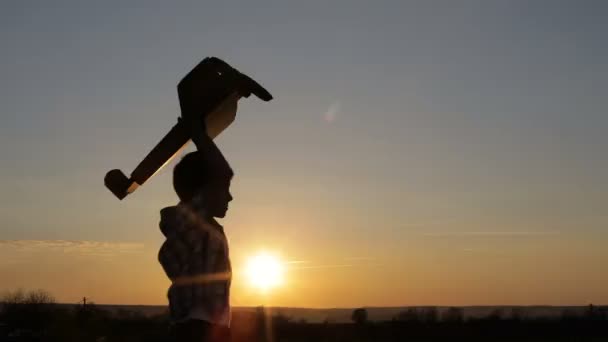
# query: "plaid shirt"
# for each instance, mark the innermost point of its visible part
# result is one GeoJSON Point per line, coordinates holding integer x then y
{"type": "Point", "coordinates": [195, 258]}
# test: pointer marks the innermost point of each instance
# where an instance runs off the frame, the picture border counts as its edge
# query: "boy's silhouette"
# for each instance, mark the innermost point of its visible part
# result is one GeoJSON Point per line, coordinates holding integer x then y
{"type": "Point", "coordinates": [195, 254]}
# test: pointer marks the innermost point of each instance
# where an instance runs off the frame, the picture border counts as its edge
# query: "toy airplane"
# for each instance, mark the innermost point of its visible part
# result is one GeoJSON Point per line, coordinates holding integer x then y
{"type": "Point", "coordinates": [211, 90]}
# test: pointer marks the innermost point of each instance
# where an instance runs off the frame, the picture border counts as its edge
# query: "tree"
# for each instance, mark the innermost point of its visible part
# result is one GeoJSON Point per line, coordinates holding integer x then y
{"type": "Point", "coordinates": [359, 316]}
{"type": "Point", "coordinates": [12, 298]}
{"type": "Point", "coordinates": [31, 310]}
{"type": "Point", "coordinates": [39, 297]}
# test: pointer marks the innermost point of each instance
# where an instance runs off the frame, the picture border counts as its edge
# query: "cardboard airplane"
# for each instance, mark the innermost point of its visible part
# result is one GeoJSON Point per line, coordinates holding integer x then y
{"type": "Point", "coordinates": [210, 90]}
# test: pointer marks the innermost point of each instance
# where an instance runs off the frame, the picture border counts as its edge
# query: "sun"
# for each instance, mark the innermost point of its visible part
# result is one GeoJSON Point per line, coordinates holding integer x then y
{"type": "Point", "coordinates": [264, 271]}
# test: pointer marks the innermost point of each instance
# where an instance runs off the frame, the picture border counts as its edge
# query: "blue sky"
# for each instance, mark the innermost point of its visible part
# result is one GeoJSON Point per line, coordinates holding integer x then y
{"type": "Point", "coordinates": [472, 121]}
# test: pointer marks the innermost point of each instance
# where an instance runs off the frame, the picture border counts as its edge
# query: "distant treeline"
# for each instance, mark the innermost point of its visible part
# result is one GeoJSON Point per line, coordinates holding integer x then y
{"type": "Point", "coordinates": [34, 316]}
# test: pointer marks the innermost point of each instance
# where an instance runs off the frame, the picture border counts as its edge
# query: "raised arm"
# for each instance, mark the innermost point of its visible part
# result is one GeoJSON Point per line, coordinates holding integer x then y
{"type": "Point", "coordinates": [202, 134]}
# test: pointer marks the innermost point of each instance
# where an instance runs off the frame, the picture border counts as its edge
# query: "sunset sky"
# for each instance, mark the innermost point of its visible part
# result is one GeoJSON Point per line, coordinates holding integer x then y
{"type": "Point", "coordinates": [416, 152]}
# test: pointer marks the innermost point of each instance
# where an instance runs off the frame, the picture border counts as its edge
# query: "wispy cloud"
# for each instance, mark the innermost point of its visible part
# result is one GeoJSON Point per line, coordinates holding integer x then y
{"type": "Point", "coordinates": [346, 262]}
{"type": "Point", "coordinates": [323, 266]}
{"type": "Point", "coordinates": [82, 247]}
{"type": "Point", "coordinates": [360, 259]}
{"type": "Point", "coordinates": [427, 223]}
{"type": "Point", "coordinates": [493, 234]}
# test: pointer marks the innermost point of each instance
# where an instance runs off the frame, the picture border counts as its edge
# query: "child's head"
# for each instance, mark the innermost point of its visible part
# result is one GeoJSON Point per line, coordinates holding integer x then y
{"type": "Point", "coordinates": [194, 176]}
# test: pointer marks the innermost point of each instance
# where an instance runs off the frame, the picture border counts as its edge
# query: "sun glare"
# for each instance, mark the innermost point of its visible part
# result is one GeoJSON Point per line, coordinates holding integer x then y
{"type": "Point", "coordinates": [265, 271]}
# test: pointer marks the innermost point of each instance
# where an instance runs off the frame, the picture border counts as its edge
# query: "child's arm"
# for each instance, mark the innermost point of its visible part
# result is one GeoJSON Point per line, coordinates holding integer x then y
{"type": "Point", "coordinates": [205, 144]}
{"type": "Point", "coordinates": [203, 141]}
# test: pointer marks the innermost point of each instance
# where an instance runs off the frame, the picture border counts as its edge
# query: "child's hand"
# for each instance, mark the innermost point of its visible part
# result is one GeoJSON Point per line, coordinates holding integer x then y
{"type": "Point", "coordinates": [198, 123]}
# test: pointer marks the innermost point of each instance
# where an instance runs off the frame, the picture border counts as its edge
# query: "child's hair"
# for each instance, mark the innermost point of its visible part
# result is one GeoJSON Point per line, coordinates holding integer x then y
{"type": "Point", "coordinates": [194, 172]}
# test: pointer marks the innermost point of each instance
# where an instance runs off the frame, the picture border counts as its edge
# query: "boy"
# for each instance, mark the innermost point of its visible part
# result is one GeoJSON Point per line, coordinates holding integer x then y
{"type": "Point", "coordinates": [195, 254]}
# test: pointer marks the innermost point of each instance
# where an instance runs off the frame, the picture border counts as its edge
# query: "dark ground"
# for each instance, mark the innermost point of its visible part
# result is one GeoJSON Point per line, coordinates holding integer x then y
{"type": "Point", "coordinates": [51, 322]}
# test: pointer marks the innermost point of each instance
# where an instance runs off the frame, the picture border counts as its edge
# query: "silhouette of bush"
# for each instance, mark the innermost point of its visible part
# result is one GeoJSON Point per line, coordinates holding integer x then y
{"type": "Point", "coordinates": [28, 310]}
{"type": "Point", "coordinates": [428, 315]}
{"type": "Point", "coordinates": [359, 316]}
{"type": "Point", "coordinates": [91, 322]}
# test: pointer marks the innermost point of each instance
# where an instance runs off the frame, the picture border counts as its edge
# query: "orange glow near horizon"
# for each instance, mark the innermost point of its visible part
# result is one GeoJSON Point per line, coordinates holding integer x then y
{"type": "Point", "coordinates": [414, 268]}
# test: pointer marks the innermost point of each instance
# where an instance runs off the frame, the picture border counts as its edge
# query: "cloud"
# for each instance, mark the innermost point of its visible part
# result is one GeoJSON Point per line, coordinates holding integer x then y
{"type": "Point", "coordinates": [348, 262]}
{"type": "Point", "coordinates": [427, 223]}
{"type": "Point", "coordinates": [98, 248]}
{"type": "Point", "coordinates": [297, 262]}
{"type": "Point", "coordinates": [324, 266]}
{"type": "Point", "coordinates": [494, 234]}
{"type": "Point", "coordinates": [360, 259]}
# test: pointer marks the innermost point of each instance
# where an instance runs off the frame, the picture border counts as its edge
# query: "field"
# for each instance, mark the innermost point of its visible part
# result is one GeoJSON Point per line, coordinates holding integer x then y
{"type": "Point", "coordinates": [53, 322]}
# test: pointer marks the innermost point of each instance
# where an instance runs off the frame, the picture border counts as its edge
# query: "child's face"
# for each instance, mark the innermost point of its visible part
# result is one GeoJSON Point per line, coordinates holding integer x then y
{"type": "Point", "coordinates": [218, 195]}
